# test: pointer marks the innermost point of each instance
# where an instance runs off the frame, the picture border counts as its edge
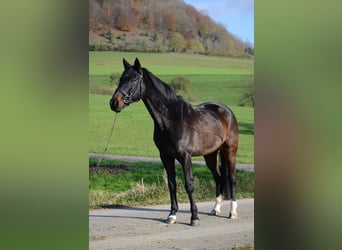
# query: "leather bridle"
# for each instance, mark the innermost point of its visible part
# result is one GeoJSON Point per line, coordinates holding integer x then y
{"type": "Point", "coordinates": [128, 97]}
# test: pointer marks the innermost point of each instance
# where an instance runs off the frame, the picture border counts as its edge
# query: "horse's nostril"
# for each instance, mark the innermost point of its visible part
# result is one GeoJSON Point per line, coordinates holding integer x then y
{"type": "Point", "coordinates": [112, 103]}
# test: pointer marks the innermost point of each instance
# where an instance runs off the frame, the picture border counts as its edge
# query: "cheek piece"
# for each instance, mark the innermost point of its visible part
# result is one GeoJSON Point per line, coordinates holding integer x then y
{"type": "Point", "coordinates": [128, 97]}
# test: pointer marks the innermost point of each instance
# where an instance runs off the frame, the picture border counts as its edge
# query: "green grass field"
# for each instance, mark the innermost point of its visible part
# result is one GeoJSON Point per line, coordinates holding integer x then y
{"type": "Point", "coordinates": [104, 63]}
{"type": "Point", "coordinates": [220, 79]}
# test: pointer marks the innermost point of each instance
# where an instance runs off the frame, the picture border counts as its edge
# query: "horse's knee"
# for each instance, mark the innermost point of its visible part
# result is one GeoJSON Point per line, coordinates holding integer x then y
{"type": "Point", "coordinates": [172, 185]}
{"type": "Point", "coordinates": [189, 187]}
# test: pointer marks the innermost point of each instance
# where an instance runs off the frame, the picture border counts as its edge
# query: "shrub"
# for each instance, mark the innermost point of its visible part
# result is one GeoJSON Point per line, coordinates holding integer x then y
{"type": "Point", "coordinates": [104, 47]}
{"type": "Point", "coordinates": [181, 84]}
{"type": "Point", "coordinates": [114, 78]}
{"type": "Point", "coordinates": [247, 98]}
{"type": "Point", "coordinates": [100, 90]}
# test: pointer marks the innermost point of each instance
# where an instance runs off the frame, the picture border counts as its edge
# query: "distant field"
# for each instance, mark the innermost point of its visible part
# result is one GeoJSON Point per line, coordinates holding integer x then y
{"type": "Point", "coordinates": [104, 63]}
{"type": "Point", "coordinates": [218, 79]}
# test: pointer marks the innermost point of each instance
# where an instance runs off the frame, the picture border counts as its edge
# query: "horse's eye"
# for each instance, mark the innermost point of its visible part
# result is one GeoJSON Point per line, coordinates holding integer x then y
{"type": "Point", "coordinates": [129, 75]}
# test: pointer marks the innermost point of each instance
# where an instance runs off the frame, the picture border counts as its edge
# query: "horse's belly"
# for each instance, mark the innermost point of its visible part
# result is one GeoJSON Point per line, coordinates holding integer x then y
{"type": "Point", "coordinates": [204, 144]}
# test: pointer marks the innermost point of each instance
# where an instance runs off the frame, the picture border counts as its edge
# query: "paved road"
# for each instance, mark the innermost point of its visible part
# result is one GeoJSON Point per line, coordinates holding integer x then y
{"type": "Point", "coordinates": [144, 228]}
{"type": "Point", "coordinates": [248, 167]}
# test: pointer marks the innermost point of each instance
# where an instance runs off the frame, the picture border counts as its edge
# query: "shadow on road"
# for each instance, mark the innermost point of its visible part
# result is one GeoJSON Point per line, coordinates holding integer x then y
{"type": "Point", "coordinates": [151, 210]}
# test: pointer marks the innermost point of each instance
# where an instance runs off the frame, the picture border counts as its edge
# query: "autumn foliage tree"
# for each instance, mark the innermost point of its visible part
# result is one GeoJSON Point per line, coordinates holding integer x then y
{"type": "Point", "coordinates": [177, 42]}
{"type": "Point", "coordinates": [180, 27]}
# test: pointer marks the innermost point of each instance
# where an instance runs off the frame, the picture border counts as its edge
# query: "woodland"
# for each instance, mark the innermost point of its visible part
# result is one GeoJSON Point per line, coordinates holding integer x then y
{"type": "Point", "coordinates": [159, 26]}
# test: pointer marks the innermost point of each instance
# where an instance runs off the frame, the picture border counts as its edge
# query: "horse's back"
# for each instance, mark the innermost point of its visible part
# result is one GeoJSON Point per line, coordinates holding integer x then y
{"type": "Point", "coordinates": [219, 110]}
{"type": "Point", "coordinates": [224, 115]}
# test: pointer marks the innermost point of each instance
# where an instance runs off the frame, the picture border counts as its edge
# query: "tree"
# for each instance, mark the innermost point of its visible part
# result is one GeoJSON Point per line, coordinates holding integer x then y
{"type": "Point", "coordinates": [204, 27]}
{"type": "Point", "coordinates": [177, 42]}
{"type": "Point", "coordinates": [123, 22]}
{"type": "Point", "coordinates": [109, 36]}
{"type": "Point", "coordinates": [170, 20]}
{"type": "Point", "coordinates": [196, 47]}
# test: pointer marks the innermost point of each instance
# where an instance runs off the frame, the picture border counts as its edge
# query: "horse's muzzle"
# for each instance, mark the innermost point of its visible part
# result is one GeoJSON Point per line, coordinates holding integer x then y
{"type": "Point", "coordinates": [116, 103]}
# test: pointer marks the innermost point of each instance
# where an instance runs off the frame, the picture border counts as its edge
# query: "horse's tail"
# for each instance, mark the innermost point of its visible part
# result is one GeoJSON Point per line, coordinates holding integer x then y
{"type": "Point", "coordinates": [224, 170]}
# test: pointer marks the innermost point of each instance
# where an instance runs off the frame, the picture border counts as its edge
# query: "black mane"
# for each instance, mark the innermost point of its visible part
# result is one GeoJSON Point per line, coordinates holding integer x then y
{"type": "Point", "coordinates": [163, 88]}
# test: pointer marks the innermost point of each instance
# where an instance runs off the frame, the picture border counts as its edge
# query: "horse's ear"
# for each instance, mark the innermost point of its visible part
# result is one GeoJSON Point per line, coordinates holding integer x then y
{"type": "Point", "coordinates": [125, 63]}
{"type": "Point", "coordinates": [137, 64]}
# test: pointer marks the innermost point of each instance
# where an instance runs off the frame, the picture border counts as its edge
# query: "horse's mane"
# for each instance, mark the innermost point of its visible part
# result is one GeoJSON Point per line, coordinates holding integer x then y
{"type": "Point", "coordinates": [163, 88]}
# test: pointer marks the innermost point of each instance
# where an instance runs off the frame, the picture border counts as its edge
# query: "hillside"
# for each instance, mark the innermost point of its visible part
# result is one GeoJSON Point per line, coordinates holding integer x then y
{"type": "Point", "coordinates": [158, 26]}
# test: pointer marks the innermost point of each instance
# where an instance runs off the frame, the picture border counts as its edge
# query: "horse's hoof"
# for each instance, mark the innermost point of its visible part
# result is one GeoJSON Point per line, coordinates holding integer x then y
{"type": "Point", "coordinates": [194, 223]}
{"type": "Point", "coordinates": [214, 212]}
{"type": "Point", "coordinates": [171, 219]}
{"type": "Point", "coordinates": [232, 216]}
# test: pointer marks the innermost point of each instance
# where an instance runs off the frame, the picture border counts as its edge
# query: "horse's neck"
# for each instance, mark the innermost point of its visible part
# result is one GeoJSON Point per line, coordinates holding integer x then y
{"type": "Point", "coordinates": [161, 107]}
{"type": "Point", "coordinates": [156, 114]}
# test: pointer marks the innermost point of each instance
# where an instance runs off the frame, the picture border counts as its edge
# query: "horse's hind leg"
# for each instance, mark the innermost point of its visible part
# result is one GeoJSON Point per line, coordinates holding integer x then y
{"type": "Point", "coordinates": [211, 161]}
{"type": "Point", "coordinates": [232, 183]}
{"type": "Point", "coordinates": [228, 154]}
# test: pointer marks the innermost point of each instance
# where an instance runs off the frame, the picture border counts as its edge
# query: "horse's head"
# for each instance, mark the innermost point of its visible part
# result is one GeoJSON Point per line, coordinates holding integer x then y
{"type": "Point", "coordinates": [130, 87]}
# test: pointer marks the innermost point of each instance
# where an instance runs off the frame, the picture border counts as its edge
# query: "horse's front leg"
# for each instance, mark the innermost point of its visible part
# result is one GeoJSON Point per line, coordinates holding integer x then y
{"type": "Point", "coordinates": [169, 164]}
{"type": "Point", "coordinates": [185, 160]}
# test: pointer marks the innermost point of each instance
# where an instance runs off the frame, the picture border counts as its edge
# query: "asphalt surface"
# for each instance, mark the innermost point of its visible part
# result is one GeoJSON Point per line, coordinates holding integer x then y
{"type": "Point", "coordinates": [144, 228]}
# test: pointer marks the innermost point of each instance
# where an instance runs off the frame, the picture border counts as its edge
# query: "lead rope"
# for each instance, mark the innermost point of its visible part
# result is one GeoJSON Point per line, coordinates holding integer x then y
{"type": "Point", "coordinates": [110, 136]}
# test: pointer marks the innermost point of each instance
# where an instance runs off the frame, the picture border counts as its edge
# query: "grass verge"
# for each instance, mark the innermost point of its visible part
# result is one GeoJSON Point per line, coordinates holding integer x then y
{"type": "Point", "coordinates": [142, 183]}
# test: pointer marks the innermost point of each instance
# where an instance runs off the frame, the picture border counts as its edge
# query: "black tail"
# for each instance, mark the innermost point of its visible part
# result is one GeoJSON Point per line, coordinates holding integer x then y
{"type": "Point", "coordinates": [224, 170]}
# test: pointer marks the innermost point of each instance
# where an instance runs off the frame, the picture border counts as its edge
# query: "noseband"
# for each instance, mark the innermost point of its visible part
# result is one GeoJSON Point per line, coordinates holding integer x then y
{"type": "Point", "coordinates": [128, 97]}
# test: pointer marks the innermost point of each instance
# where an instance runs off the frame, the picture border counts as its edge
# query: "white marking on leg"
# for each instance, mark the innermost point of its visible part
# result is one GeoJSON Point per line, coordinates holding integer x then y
{"type": "Point", "coordinates": [233, 210]}
{"type": "Point", "coordinates": [217, 208]}
{"type": "Point", "coordinates": [172, 219]}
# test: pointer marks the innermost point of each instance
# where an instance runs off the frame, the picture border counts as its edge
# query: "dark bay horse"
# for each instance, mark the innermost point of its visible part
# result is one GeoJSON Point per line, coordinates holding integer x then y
{"type": "Point", "coordinates": [181, 131]}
